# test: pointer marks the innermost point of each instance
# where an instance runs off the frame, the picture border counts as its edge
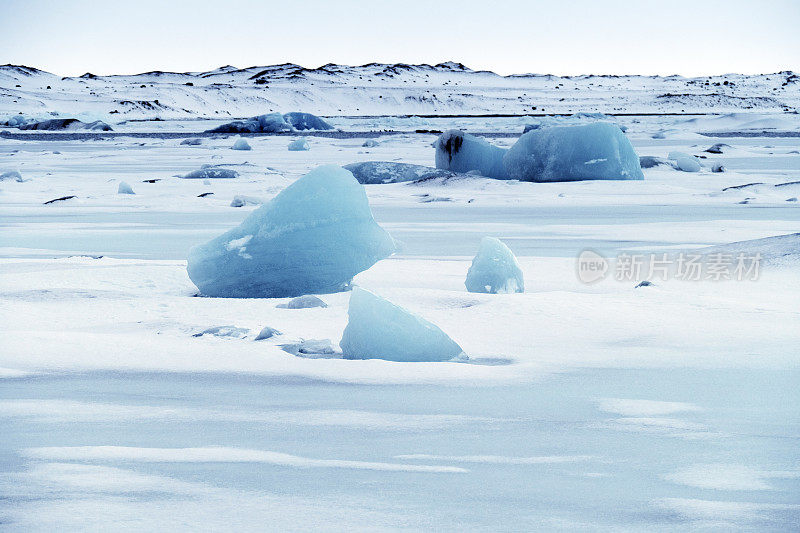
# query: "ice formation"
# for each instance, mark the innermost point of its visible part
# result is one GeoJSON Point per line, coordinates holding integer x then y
{"type": "Point", "coordinates": [597, 151]}
{"type": "Point", "coordinates": [211, 173]}
{"type": "Point", "coordinates": [303, 302]}
{"type": "Point", "coordinates": [370, 143]}
{"type": "Point", "coordinates": [372, 172]}
{"type": "Point", "coordinates": [651, 161]}
{"type": "Point", "coordinates": [461, 152]}
{"type": "Point", "coordinates": [685, 162]}
{"type": "Point", "coordinates": [224, 331]}
{"type": "Point", "coordinates": [306, 121]}
{"type": "Point", "coordinates": [495, 269]}
{"type": "Point", "coordinates": [56, 124]}
{"type": "Point", "coordinates": [299, 145]}
{"type": "Point", "coordinates": [195, 141]}
{"type": "Point", "coordinates": [241, 200]}
{"type": "Point", "coordinates": [124, 188]}
{"type": "Point", "coordinates": [311, 348]}
{"type": "Point", "coordinates": [271, 123]}
{"type": "Point", "coordinates": [11, 175]}
{"type": "Point", "coordinates": [241, 144]}
{"type": "Point", "coordinates": [378, 329]}
{"type": "Point", "coordinates": [313, 237]}
{"type": "Point", "coordinates": [267, 333]}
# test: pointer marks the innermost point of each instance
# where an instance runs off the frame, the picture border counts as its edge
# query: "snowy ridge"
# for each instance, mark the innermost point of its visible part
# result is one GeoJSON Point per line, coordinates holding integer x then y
{"type": "Point", "coordinates": [380, 89]}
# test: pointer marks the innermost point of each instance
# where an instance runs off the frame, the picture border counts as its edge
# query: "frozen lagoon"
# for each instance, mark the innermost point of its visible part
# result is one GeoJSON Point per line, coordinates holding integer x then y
{"type": "Point", "coordinates": [676, 411]}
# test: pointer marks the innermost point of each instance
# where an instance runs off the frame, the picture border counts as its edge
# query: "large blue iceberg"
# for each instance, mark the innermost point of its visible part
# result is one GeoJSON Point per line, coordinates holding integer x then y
{"type": "Point", "coordinates": [495, 269]}
{"type": "Point", "coordinates": [461, 152]}
{"type": "Point", "coordinates": [306, 121]}
{"type": "Point", "coordinates": [311, 238]}
{"type": "Point", "coordinates": [378, 329]}
{"type": "Point", "coordinates": [597, 151]}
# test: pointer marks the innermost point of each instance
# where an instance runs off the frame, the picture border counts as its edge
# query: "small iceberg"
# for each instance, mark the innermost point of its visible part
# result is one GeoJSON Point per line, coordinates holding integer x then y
{"type": "Point", "coordinates": [124, 188]}
{"type": "Point", "coordinates": [241, 144]}
{"type": "Point", "coordinates": [378, 329]}
{"type": "Point", "coordinates": [495, 269]}
{"type": "Point", "coordinates": [299, 145]}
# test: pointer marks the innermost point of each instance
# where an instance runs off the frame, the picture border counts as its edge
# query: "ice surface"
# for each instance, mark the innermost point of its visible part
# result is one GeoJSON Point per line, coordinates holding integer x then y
{"type": "Point", "coordinates": [313, 237]}
{"type": "Point", "coordinates": [306, 121]}
{"type": "Point", "coordinates": [494, 269]}
{"type": "Point", "coordinates": [461, 152]}
{"type": "Point", "coordinates": [211, 173]}
{"type": "Point", "coordinates": [597, 151]}
{"type": "Point", "coordinates": [378, 329]}
{"type": "Point", "coordinates": [685, 162]}
{"type": "Point", "coordinates": [241, 144]}
{"type": "Point", "coordinates": [299, 145]}
{"type": "Point", "coordinates": [303, 302]}
{"type": "Point", "coordinates": [373, 172]}
{"type": "Point", "coordinates": [124, 188]}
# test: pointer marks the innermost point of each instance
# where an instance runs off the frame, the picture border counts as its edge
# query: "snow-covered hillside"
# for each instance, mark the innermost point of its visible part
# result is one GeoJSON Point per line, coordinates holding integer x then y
{"type": "Point", "coordinates": [380, 89]}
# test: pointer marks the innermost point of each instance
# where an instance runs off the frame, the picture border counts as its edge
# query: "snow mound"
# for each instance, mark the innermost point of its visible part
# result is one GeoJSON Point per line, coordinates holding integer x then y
{"type": "Point", "coordinates": [124, 188]}
{"type": "Point", "coordinates": [271, 123]}
{"type": "Point", "coordinates": [299, 145]}
{"type": "Point", "coordinates": [306, 121]}
{"type": "Point", "coordinates": [461, 152]}
{"type": "Point", "coordinates": [11, 175]}
{"type": "Point", "coordinates": [685, 162]}
{"type": "Point", "coordinates": [374, 172]}
{"type": "Point", "coordinates": [778, 251]}
{"type": "Point", "coordinates": [241, 200]}
{"type": "Point", "coordinates": [211, 173]}
{"type": "Point", "coordinates": [495, 269]}
{"type": "Point", "coordinates": [597, 151]}
{"type": "Point", "coordinates": [313, 237]}
{"type": "Point", "coordinates": [267, 333]}
{"type": "Point", "coordinates": [241, 144]}
{"type": "Point", "coordinates": [303, 302]}
{"type": "Point", "coordinates": [378, 329]}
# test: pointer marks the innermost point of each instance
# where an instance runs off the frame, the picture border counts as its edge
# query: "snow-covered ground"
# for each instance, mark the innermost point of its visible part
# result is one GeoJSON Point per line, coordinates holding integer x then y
{"type": "Point", "coordinates": [582, 407]}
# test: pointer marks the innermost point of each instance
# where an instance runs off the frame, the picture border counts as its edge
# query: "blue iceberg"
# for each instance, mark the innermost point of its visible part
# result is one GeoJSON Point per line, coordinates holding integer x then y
{"type": "Point", "coordinates": [313, 237]}
{"type": "Point", "coordinates": [597, 151]}
{"type": "Point", "coordinates": [306, 121]}
{"type": "Point", "coordinates": [378, 329]}
{"type": "Point", "coordinates": [299, 145]}
{"type": "Point", "coordinates": [270, 123]}
{"type": "Point", "coordinates": [495, 269]}
{"type": "Point", "coordinates": [124, 188]}
{"type": "Point", "coordinates": [241, 144]}
{"type": "Point", "coordinates": [461, 152]}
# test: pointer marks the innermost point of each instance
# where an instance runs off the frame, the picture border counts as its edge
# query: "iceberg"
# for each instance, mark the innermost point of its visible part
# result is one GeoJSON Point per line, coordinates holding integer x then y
{"type": "Point", "coordinates": [299, 145]}
{"type": "Point", "coordinates": [124, 188]}
{"type": "Point", "coordinates": [378, 329]}
{"type": "Point", "coordinates": [11, 175]}
{"type": "Point", "coordinates": [374, 172]}
{"type": "Point", "coordinates": [306, 121]}
{"type": "Point", "coordinates": [597, 151]}
{"type": "Point", "coordinates": [685, 162]}
{"type": "Point", "coordinates": [303, 302]}
{"type": "Point", "coordinates": [241, 200]}
{"type": "Point", "coordinates": [461, 152]}
{"type": "Point", "coordinates": [211, 173]}
{"type": "Point", "coordinates": [194, 141]}
{"type": "Point", "coordinates": [312, 238]}
{"type": "Point", "coordinates": [58, 124]}
{"type": "Point", "coordinates": [495, 269]}
{"type": "Point", "coordinates": [241, 144]}
{"type": "Point", "coordinates": [370, 143]}
{"type": "Point", "coordinates": [270, 123]}
{"type": "Point", "coordinates": [267, 333]}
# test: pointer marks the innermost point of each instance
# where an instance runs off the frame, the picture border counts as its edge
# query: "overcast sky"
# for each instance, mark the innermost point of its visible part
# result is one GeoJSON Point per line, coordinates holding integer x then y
{"type": "Point", "coordinates": [559, 37]}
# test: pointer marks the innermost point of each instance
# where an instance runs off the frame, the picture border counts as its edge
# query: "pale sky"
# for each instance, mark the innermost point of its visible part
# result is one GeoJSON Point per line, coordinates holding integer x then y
{"type": "Point", "coordinates": [559, 37]}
